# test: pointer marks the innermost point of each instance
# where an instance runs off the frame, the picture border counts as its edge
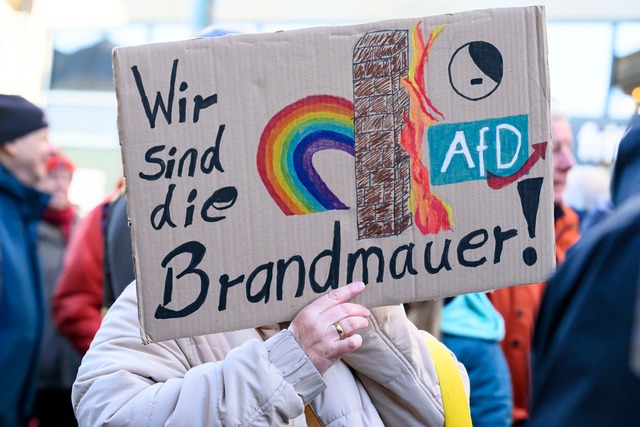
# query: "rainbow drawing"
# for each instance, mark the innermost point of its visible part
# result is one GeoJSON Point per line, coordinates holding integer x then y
{"type": "Point", "coordinates": [288, 143]}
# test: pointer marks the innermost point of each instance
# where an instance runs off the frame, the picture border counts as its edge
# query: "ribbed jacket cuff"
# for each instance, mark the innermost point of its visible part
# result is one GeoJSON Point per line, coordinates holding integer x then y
{"type": "Point", "coordinates": [295, 366]}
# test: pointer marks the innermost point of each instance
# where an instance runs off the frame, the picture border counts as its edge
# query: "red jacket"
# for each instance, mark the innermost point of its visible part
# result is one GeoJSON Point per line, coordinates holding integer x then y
{"type": "Point", "coordinates": [519, 306]}
{"type": "Point", "coordinates": [77, 298]}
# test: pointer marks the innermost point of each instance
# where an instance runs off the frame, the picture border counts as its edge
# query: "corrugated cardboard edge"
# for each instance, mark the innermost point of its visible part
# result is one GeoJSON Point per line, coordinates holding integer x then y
{"type": "Point", "coordinates": [146, 339]}
{"type": "Point", "coordinates": [541, 29]}
{"type": "Point", "coordinates": [545, 82]}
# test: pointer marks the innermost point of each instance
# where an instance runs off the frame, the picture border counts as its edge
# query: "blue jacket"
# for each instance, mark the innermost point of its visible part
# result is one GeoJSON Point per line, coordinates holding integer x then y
{"type": "Point", "coordinates": [582, 360]}
{"type": "Point", "coordinates": [20, 297]}
{"type": "Point", "coordinates": [472, 329]}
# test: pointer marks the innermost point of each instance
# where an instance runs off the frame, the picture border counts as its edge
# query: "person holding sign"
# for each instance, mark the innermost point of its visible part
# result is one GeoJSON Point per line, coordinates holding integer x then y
{"type": "Point", "coordinates": [59, 361]}
{"type": "Point", "coordinates": [350, 365]}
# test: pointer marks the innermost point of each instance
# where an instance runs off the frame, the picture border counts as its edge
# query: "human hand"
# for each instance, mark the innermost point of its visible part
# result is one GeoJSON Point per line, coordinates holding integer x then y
{"type": "Point", "coordinates": [316, 327]}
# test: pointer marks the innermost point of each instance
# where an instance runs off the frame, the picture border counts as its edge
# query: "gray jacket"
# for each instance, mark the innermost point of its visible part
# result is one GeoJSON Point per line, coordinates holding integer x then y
{"type": "Point", "coordinates": [59, 361]}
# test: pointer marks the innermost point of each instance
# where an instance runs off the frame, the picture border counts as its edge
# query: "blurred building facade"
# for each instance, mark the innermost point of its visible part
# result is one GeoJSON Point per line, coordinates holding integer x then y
{"type": "Point", "coordinates": [58, 53]}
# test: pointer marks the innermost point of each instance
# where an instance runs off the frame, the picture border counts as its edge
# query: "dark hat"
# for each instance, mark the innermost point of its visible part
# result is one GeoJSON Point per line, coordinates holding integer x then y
{"type": "Point", "coordinates": [19, 117]}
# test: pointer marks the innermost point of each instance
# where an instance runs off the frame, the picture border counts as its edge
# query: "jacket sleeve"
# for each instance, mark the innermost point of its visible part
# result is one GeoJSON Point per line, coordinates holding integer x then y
{"type": "Point", "coordinates": [124, 382]}
{"type": "Point", "coordinates": [403, 385]}
{"type": "Point", "coordinates": [77, 297]}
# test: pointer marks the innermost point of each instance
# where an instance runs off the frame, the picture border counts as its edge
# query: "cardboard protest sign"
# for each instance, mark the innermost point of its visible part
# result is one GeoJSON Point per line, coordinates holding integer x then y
{"type": "Point", "coordinates": [265, 169]}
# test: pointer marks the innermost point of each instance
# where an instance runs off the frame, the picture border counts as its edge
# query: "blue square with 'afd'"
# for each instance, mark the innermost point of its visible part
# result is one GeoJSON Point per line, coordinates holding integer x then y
{"type": "Point", "coordinates": [466, 151]}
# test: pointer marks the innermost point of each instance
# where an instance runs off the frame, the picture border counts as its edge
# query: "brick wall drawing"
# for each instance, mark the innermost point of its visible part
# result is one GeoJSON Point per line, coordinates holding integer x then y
{"type": "Point", "coordinates": [383, 180]}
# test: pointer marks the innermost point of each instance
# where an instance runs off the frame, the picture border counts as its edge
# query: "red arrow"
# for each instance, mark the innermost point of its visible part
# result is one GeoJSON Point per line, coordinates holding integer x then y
{"type": "Point", "coordinates": [497, 182]}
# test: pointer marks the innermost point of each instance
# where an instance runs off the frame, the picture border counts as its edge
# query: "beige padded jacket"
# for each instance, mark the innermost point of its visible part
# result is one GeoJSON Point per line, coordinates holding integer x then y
{"type": "Point", "coordinates": [240, 379]}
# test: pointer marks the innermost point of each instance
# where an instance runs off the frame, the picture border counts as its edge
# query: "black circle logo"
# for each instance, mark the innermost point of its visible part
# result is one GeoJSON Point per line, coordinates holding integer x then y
{"type": "Point", "coordinates": [475, 70]}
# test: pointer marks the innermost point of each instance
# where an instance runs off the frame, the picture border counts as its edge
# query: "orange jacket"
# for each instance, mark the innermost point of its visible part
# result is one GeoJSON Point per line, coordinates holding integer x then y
{"type": "Point", "coordinates": [519, 306]}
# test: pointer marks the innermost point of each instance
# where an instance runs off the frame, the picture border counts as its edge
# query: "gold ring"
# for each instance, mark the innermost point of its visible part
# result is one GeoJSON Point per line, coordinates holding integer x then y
{"type": "Point", "coordinates": [339, 329]}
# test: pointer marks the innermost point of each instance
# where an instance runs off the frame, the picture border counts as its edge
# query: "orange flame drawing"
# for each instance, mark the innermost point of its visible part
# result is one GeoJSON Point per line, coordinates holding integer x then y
{"type": "Point", "coordinates": [431, 214]}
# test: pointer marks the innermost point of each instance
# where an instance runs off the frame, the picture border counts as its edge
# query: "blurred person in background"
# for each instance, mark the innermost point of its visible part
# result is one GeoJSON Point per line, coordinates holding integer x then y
{"type": "Point", "coordinates": [583, 351]}
{"type": "Point", "coordinates": [59, 361]}
{"type": "Point", "coordinates": [472, 328]}
{"type": "Point", "coordinates": [77, 300]}
{"type": "Point", "coordinates": [24, 152]}
{"type": "Point", "coordinates": [519, 305]}
{"type": "Point", "coordinates": [118, 253]}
